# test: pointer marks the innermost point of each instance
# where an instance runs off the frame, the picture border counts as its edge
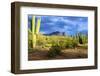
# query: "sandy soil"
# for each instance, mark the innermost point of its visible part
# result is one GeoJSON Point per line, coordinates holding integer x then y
{"type": "Point", "coordinates": [65, 54]}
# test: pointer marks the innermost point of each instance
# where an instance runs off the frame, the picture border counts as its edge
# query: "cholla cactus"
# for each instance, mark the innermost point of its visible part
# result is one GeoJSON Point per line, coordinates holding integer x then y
{"type": "Point", "coordinates": [35, 29]}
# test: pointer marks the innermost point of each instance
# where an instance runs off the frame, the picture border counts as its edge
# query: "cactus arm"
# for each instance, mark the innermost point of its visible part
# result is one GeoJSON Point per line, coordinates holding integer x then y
{"type": "Point", "coordinates": [33, 32]}
{"type": "Point", "coordinates": [38, 25]}
{"type": "Point", "coordinates": [33, 24]}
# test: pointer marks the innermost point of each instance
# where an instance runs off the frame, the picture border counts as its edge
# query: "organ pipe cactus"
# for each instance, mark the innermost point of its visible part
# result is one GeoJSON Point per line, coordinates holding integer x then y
{"type": "Point", "coordinates": [35, 29]}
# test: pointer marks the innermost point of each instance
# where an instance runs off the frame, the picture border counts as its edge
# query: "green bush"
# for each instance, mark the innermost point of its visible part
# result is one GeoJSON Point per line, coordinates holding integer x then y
{"type": "Point", "coordinates": [54, 51]}
{"type": "Point", "coordinates": [82, 39]}
{"type": "Point", "coordinates": [71, 43]}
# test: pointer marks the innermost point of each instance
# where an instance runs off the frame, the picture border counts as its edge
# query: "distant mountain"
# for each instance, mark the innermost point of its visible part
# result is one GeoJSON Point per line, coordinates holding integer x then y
{"type": "Point", "coordinates": [56, 33]}
{"type": "Point", "coordinates": [83, 32]}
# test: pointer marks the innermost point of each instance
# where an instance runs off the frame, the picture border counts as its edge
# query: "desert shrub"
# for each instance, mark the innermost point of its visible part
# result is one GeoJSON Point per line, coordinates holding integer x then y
{"type": "Point", "coordinates": [41, 40]}
{"type": "Point", "coordinates": [74, 42]}
{"type": "Point", "coordinates": [62, 44]}
{"type": "Point", "coordinates": [82, 39]}
{"type": "Point", "coordinates": [48, 45]}
{"type": "Point", "coordinates": [61, 41]}
{"type": "Point", "coordinates": [54, 51]}
{"type": "Point", "coordinates": [71, 43]}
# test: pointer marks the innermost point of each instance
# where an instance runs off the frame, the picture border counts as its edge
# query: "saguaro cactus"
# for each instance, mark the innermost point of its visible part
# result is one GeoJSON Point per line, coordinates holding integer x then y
{"type": "Point", "coordinates": [38, 25]}
{"type": "Point", "coordinates": [35, 29]}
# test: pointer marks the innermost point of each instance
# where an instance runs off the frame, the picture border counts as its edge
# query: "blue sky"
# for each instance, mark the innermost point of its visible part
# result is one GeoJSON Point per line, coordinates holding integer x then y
{"type": "Point", "coordinates": [71, 25]}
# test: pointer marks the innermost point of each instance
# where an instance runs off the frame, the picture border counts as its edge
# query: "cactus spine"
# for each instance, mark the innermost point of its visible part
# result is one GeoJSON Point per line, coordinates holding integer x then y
{"type": "Point", "coordinates": [35, 29]}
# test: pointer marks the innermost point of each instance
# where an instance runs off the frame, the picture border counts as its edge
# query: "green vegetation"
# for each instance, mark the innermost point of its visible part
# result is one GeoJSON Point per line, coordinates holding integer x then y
{"type": "Point", "coordinates": [53, 45]}
{"type": "Point", "coordinates": [62, 41]}
{"type": "Point", "coordinates": [54, 51]}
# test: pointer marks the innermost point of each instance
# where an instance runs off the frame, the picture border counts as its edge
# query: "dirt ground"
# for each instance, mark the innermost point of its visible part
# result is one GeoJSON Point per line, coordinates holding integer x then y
{"type": "Point", "coordinates": [65, 54]}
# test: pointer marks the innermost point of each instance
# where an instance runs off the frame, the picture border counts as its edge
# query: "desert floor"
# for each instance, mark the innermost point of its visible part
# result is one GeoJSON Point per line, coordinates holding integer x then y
{"type": "Point", "coordinates": [65, 54]}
